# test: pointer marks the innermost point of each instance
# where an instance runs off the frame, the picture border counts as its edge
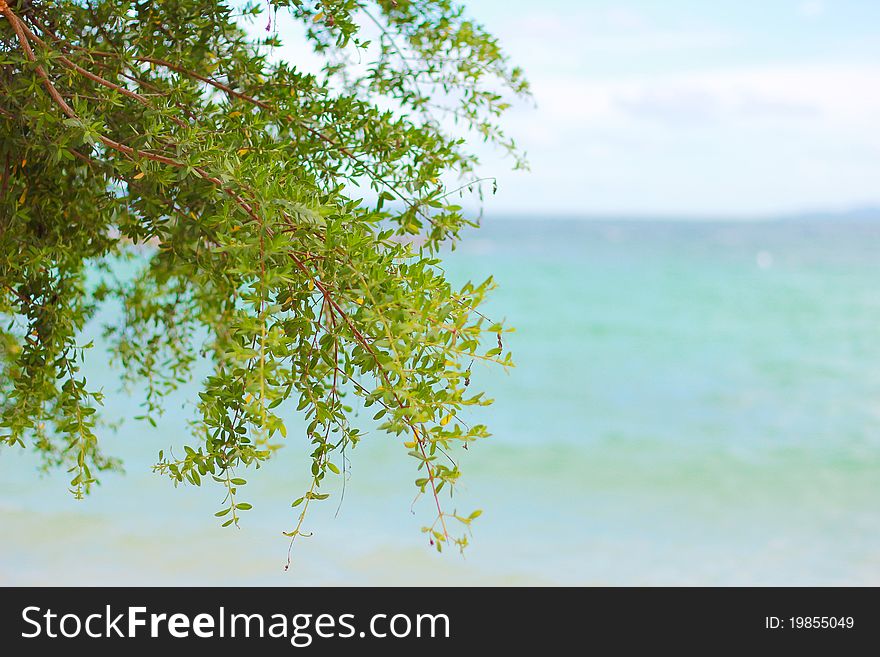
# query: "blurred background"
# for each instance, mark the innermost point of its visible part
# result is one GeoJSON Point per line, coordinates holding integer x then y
{"type": "Point", "coordinates": [692, 267]}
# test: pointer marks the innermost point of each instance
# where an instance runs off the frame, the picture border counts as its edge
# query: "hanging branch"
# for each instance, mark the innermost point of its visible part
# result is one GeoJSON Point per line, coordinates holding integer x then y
{"type": "Point", "coordinates": [307, 293]}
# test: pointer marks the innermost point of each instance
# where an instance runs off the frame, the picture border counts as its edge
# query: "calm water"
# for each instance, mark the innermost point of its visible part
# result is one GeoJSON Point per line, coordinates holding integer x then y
{"type": "Point", "coordinates": [693, 404]}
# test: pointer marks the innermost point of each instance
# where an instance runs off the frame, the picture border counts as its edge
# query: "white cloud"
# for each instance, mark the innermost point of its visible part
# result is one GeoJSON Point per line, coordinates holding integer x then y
{"type": "Point", "coordinates": [741, 141]}
{"type": "Point", "coordinates": [824, 94]}
{"type": "Point", "coordinates": [811, 8]}
{"type": "Point", "coordinates": [829, 94]}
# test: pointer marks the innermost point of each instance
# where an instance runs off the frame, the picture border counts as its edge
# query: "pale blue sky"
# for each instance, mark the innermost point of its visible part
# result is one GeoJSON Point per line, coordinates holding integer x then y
{"type": "Point", "coordinates": [687, 107]}
{"type": "Point", "coordinates": [726, 107]}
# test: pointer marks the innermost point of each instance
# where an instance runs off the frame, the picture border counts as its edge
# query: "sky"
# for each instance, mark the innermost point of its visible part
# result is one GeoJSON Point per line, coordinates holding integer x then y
{"type": "Point", "coordinates": [739, 108]}
{"type": "Point", "coordinates": [690, 108]}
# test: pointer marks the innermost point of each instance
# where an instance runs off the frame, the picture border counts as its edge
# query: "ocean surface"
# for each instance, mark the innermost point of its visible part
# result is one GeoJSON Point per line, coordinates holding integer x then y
{"type": "Point", "coordinates": [693, 403]}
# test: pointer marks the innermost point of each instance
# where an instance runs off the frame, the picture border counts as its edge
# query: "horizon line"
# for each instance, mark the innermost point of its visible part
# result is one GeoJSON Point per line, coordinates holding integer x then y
{"type": "Point", "coordinates": [857, 214]}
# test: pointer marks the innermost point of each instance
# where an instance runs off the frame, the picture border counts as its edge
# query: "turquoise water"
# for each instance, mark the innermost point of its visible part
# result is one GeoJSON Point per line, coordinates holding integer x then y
{"type": "Point", "coordinates": [694, 403]}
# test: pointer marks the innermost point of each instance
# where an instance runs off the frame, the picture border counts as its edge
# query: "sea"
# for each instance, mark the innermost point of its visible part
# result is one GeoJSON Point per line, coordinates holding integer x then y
{"type": "Point", "coordinates": [693, 403]}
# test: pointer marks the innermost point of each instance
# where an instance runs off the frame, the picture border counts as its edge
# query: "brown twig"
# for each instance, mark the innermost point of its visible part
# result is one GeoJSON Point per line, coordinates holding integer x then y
{"type": "Point", "coordinates": [420, 441]}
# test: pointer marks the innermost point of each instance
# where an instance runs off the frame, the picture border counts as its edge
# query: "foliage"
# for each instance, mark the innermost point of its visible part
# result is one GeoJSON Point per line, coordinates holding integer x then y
{"type": "Point", "coordinates": [292, 221]}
